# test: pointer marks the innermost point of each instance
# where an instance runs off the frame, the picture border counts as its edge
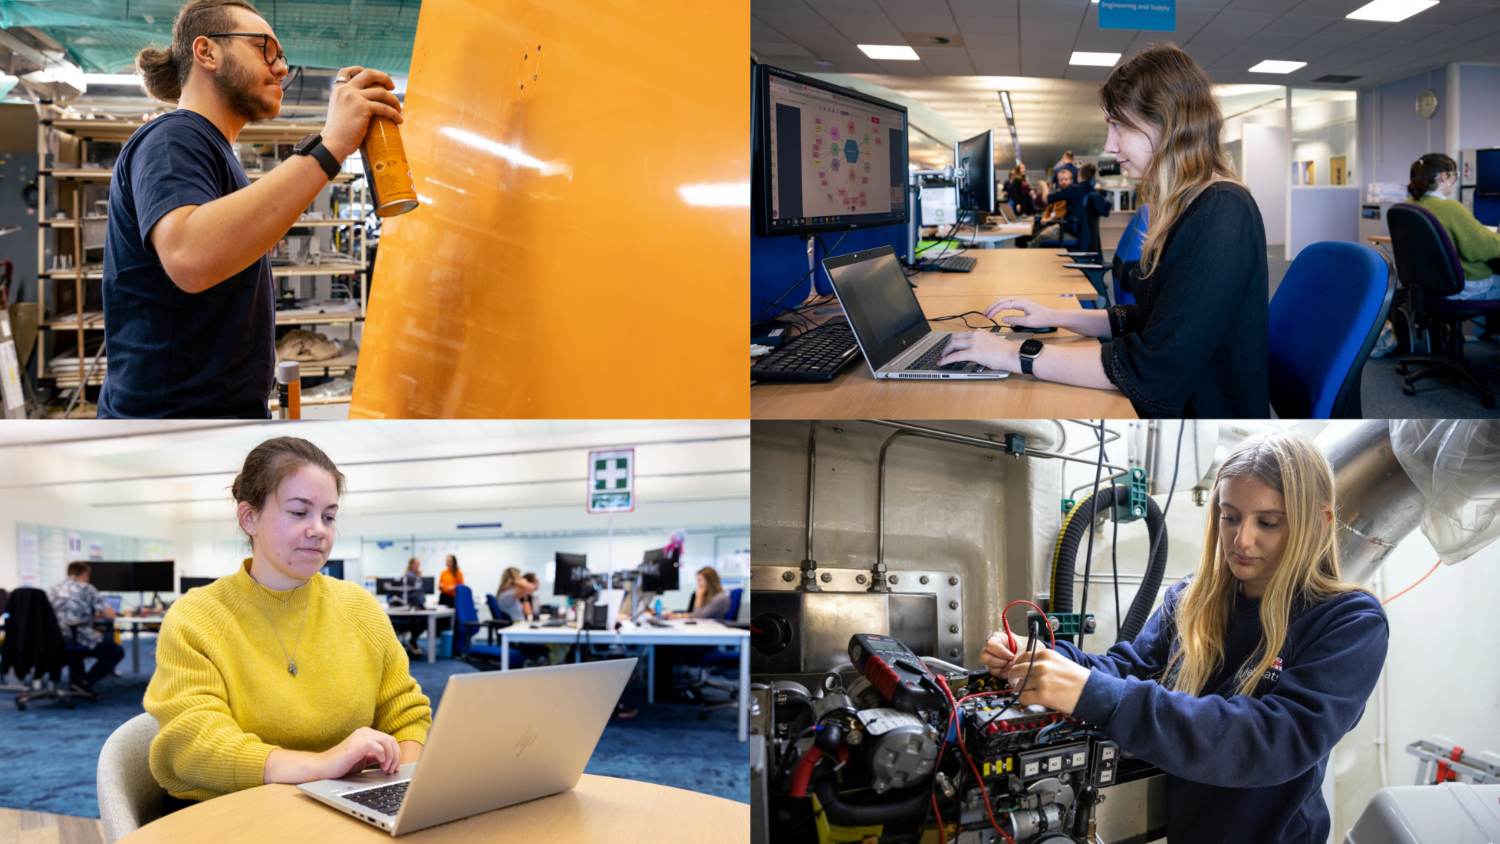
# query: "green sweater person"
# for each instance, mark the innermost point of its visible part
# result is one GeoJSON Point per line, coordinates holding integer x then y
{"type": "Point", "coordinates": [1433, 177]}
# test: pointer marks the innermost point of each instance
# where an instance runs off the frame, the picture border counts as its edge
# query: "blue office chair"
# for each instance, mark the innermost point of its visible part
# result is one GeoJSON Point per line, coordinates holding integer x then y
{"type": "Point", "coordinates": [1128, 255]}
{"type": "Point", "coordinates": [466, 624]}
{"type": "Point", "coordinates": [1430, 271]}
{"type": "Point", "coordinates": [720, 657]}
{"type": "Point", "coordinates": [500, 617]}
{"type": "Point", "coordinates": [1324, 319]}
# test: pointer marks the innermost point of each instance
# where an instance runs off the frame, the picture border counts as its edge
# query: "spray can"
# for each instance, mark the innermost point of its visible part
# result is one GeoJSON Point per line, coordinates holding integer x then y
{"type": "Point", "coordinates": [386, 169]}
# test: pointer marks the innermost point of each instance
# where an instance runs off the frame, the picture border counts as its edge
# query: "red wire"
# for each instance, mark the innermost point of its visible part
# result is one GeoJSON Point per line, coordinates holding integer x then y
{"type": "Point", "coordinates": [983, 792]}
{"type": "Point", "coordinates": [1005, 623]}
{"type": "Point", "coordinates": [1414, 585]}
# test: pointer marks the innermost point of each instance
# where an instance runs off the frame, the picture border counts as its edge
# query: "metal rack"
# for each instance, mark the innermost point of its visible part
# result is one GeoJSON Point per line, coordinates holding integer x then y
{"type": "Point", "coordinates": [55, 123]}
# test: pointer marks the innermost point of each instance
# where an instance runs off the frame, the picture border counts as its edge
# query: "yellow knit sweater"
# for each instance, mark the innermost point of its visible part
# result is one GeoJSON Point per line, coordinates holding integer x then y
{"type": "Point", "coordinates": [224, 699]}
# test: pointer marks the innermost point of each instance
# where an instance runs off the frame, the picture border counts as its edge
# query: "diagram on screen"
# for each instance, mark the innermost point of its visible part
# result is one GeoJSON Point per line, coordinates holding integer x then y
{"type": "Point", "coordinates": [848, 158]}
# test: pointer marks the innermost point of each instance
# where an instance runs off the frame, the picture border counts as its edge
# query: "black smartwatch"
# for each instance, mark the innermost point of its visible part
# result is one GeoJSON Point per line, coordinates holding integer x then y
{"type": "Point", "coordinates": [313, 145]}
{"type": "Point", "coordinates": [1029, 350]}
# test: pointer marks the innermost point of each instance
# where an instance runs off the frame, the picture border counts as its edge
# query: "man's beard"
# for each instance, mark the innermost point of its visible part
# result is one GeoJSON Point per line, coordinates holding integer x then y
{"type": "Point", "coordinates": [237, 84]}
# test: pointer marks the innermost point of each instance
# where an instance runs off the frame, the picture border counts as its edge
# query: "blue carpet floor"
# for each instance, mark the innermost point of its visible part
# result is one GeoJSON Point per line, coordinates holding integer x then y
{"type": "Point", "coordinates": [50, 753]}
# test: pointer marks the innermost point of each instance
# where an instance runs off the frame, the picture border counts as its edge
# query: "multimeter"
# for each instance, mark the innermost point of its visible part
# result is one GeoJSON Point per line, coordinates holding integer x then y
{"type": "Point", "coordinates": [897, 674]}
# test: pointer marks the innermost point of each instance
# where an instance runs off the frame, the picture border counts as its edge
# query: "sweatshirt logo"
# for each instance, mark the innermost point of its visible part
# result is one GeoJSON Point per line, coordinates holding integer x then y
{"type": "Point", "coordinates": [1273, 673]}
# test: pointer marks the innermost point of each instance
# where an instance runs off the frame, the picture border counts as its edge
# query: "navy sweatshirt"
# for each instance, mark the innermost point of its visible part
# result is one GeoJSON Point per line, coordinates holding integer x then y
{"type": "Point", "coordinates": [1242, 768]}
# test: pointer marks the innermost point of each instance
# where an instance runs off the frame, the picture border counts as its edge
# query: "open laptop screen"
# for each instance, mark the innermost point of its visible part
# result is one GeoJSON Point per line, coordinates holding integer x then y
{"type": "Point", "coordinates": [882, 309]}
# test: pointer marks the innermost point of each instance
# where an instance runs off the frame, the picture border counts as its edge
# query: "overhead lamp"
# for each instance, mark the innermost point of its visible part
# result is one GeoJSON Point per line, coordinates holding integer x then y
{"type": "Point", "coordinates": [1084, 59]}
{"type": "Point", "coordinates": [1273, 66]}
{"type": "Point", "coordinates": [890, 52]}
{"type": "Point", "coordinates": [1390, 11]}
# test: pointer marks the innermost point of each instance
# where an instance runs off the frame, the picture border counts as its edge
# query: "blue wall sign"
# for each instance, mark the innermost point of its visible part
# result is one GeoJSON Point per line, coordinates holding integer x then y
{"type": "Point", "coordinates": [1159, 15]}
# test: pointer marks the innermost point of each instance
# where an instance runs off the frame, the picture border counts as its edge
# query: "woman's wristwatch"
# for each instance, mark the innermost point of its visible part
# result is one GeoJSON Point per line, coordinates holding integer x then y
{"type": "Point", "coordinates": [1029, 350]}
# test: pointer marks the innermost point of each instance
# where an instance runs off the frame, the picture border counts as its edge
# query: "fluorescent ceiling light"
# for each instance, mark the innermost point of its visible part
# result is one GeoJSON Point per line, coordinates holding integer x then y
{"type": "Point", "coordinates": [1272, 66]}
{"type": "Point", "coordinates": [1005, 104]}
{"type": "Point", "coordinates": [1094, 59]}
{"type": "Point", "coordinates": [890, 52]}
{"type": "Point", "coordinates": [1390, 11]}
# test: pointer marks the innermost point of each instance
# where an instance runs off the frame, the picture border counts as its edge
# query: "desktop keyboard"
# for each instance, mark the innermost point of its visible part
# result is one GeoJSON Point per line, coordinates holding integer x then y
{"type": "Point", "coordinates": [384, 798]}
{"type": "Point", "coordinates": [929, 360]}
{"type": "Point", "coordinates": [815, 355]}
{"type": "Point", "coordinates": [955, 264]}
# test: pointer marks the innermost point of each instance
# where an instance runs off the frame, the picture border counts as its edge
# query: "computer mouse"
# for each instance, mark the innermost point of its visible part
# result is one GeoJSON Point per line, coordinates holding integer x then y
{"type": "Point", "coordinates": [690, 622]}
{"type": "Point", "coordinates": [1028, 329]}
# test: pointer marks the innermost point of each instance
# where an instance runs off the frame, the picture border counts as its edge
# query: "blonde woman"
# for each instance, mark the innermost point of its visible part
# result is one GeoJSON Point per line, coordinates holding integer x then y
{"type": "Point", "coordinates": [513, 592]}
{"type": "Point", "coordinates": [276, 673]}
{"type": "Point", "coordinates": [1194, 343]}
{"type": "Point", "coordinates": [1239, 686]}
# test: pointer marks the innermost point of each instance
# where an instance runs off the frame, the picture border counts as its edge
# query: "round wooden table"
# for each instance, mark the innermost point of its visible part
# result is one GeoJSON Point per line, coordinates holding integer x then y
{"type": "Point", "coordinates": [597, 809]}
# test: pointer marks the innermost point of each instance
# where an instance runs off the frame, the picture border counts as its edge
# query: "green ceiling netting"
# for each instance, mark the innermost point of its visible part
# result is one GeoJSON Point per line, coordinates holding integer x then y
{"type": "Point", "coordinates": [104, 35]}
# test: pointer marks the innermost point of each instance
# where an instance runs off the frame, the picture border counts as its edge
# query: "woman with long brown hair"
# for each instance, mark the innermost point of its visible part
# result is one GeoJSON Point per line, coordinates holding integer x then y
{"type": "Point", "coordinates": [709, 599]}
{"type": "Point", "coordinates": [1194, 343]}
{"type": "Point", "coordinates": [1239, 686]}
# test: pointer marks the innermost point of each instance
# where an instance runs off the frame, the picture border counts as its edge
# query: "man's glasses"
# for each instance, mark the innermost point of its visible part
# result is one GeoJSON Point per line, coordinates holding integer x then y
{"type": "Point", "coordinates": [270, 48]}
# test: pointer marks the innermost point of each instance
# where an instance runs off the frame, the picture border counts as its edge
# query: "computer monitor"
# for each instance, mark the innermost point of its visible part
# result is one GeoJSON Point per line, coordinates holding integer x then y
{"type": "Point", "coordinates": [1109, 167]}
{"type": "Point", "coordinates": [397, 586]}
{"type": "Point", "coordinates": [186, 583]}
{"type": "Point", "coordinates": [659, 571]}
{"type": "Point", "coordinates": [334, 569]}
{"type": "Point", "coordinates": [114, 602]}
{"type": "Point", "coordinates": [824, 157]}
{"type": "Point", "coordinates": [155, 576]}
{"type": "Point", "coordinates": [974, 172]}
{"type": "Point", "coordinates": [570, 576]}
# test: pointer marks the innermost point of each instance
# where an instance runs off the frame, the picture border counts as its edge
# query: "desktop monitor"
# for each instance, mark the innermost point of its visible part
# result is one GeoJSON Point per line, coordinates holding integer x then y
{"type": "Point", "coordinates": [570, 576]}
{"type": "Point", "coordinates": [114, 602]}
{"type": "Point", "coordinates": [974, 173]}
{"type": "Point", "coordinates": [659, 571]}
{"type": "Point", "coordinates": [185, 583]}
{"type": "Point", "coordinates": [334, 569]}
{"type": "Point", "coordinates": [397, 586]}
{"type": "Point", "coordinates": [824, 157]}
{"type": "Point", "coordinates": [1109, 167]}
{"type": "Point", "coordinates": [156, 576]}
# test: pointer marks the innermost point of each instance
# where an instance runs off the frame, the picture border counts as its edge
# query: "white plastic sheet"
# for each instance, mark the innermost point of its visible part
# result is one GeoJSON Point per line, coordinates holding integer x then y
{"type": "Point", "coordinates": [1455, 463]}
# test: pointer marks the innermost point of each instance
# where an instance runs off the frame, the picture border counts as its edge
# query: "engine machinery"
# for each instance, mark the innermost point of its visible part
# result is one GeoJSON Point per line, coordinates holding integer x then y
{"type": "Point", "coordinates": [913, 749]}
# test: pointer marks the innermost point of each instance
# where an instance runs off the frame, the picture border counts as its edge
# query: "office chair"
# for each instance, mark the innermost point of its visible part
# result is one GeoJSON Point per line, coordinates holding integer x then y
{"type": "Point", "coordinates": [720, 658]}
{"type": "Point", "coordinates": [465, 624]}
{"type": "Point", "coordinates": [129, 796]}
{"type": "Point", "coordinates": [1428, 265]}
{"type": "Point", "coordinates": [35, 648]}
{"type": "Point", "coordinates": [1090, 260]}
{"type": "Point", "coordinates": [1324, 320]}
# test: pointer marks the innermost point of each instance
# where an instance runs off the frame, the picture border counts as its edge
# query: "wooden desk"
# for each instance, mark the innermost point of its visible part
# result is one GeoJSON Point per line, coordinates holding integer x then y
{"type": "Point", "coordinates": [597, 809]}
{"type": "Point", "coordinates": [1033, 273]}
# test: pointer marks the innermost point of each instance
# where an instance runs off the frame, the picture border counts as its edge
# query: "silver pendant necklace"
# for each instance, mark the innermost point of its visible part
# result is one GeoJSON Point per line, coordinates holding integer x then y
{"type": "Point", "coordinates": [291, 657]}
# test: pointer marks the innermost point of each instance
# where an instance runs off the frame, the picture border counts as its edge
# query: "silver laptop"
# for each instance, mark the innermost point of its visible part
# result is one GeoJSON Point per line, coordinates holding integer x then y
{"type": "Point", "coordinates": [499, 738]}
{"type": "Point", "coordinates": [887, 321]}
{"type": "Point", "coordinates": [1007, 213]}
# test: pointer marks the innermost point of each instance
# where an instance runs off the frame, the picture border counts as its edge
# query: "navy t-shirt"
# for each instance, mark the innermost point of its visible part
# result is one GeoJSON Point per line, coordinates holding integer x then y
{"type": "Point", "coordinates": [172, 353]}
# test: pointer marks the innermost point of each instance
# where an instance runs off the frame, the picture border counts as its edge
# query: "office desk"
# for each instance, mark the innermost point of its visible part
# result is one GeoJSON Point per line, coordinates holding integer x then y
{"type": "Point", "coordinates": [432, 616]}
{"type": "Point", "coordinates": [1035, 274]}
{"type": "Point", "coordinates": [704, 632]}
{"type": "Point", "coordinates": [134, 624]}
{"type": "Point", "coordinates": [597, 809]}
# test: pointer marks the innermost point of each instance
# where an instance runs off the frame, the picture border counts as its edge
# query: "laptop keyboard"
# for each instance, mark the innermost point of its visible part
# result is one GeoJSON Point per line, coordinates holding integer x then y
{"type": "Point", "coordinates": [384, 798]}
{"type": "Point", "coordinates": [955, 264]}
{"type": "Point", "coordinates": [929, 360]}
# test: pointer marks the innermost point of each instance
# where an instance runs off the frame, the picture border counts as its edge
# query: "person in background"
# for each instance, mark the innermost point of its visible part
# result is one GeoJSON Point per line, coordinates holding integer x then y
{"type": "Point", "coordinates": [1065, 164]}
{"type": "Point", "coordinates": [528, 603]}
{"type": "Point", "coordinates": [514, 588]}
{"type": "Point", "coordinates": [1434, 178]}
{"type": "Point", "coordinates": [709, 600]}
{"type": "Point", "coordinates": [277, 673]}
{"type": "Point", "coordinates": [412, 598]}
{"type": "Point", "coordinates": [77, 604]}
{"type": "Point", "coordinates": [452, 576]}
{"type": "Point", "coordinates": [1018, 192]}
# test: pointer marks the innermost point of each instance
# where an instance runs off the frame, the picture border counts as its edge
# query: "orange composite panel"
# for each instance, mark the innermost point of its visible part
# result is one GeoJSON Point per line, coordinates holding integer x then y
{"type": "Point", "coordinates": [581, 246]}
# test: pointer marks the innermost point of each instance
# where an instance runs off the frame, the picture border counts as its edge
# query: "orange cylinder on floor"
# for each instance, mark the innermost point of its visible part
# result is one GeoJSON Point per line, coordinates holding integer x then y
{"type": "Point", "coordinates": [581, 247]}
